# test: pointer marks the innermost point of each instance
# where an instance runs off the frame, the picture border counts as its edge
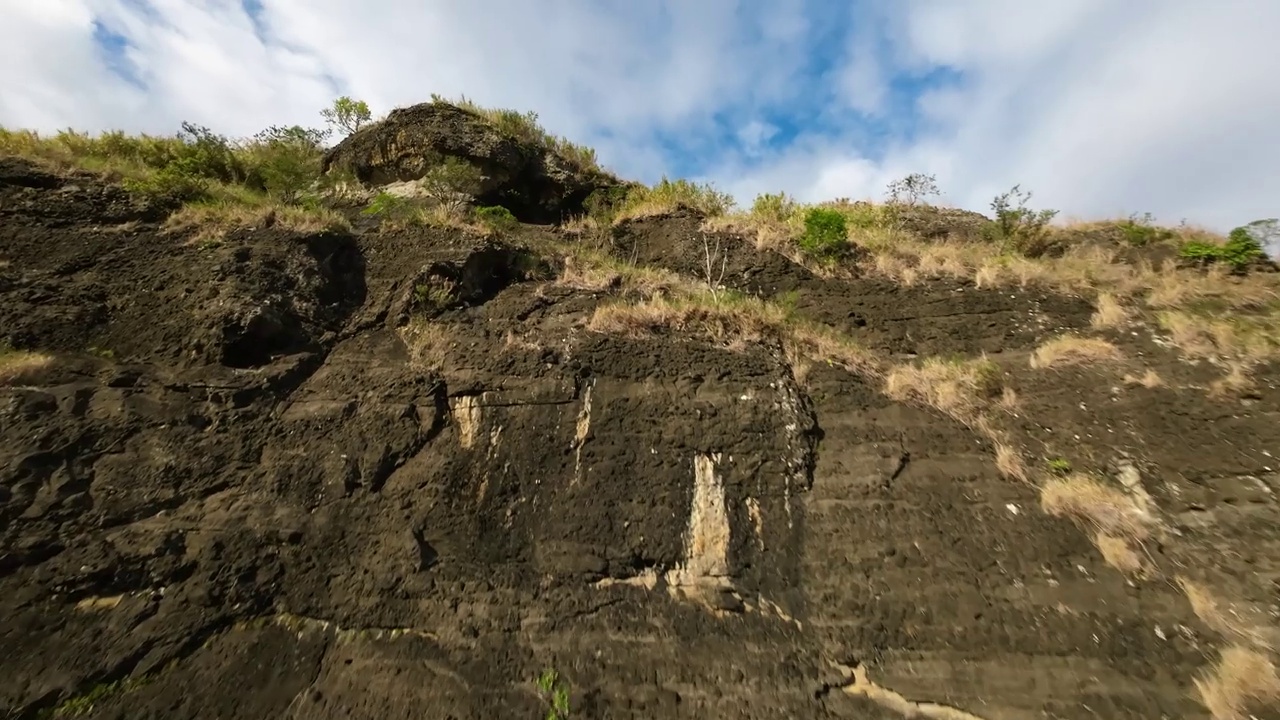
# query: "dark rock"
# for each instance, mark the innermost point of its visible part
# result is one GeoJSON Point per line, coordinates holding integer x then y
{"type": "Point", "coordinates": [532, 181]}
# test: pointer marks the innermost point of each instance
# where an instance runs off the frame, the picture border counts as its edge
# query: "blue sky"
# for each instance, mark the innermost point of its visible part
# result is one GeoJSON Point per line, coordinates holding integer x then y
{"type": "Point", "coordinates": [1100, 108]}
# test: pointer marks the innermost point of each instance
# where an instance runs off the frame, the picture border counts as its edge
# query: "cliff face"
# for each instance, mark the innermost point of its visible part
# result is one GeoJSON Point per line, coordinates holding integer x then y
{"type": "Point", "coordinates": [396, 474]}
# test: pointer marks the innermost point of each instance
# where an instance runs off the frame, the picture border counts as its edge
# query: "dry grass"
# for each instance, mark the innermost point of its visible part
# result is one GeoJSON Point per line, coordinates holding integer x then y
{"type": "Point", "coordinates": [768, 233]}
{"type": "Point", "coordinates": [440, 216]}
{"type": "Point", "coordinates": [1094, 504]}
{"type": "Point", "coordinates": [668, 195]}
{"type": "Point", "coordinates": [1148, 379]}
{"type": "Point", "coordinates": [209, 222]}
{"type": "Point", "coordinates": [729, 321]}
{"type": "Point", "coordinates": [1240, 681]}
{"type": "Point", "coordinates": [589, 270]}
{"type": "Point", "coordinates": [18, 366]}
{"type": "Point", "coordinates": [1237, 622]}
{"type": "Point", "coordinates": [1083, 268]}
{"type": "Point", "coordinates": [1248, 339]}
{"type": "Point", "coordinates": [1237, 381]}
{"type": "Point", "coordinates": [1073, 350]}
{"type": "Point", "coordinates": [1118, 552]}
{"type": "Point", "coordinates": [959, 388]}
{"type": "Point", "coordinates": [1110, 313]}
{"type": "Point", "coordinates": [1010, 462]}
{"type": "Point", "coordinates": [1170, 288]}
{"type": "Point", "coordinates": [428, 344]}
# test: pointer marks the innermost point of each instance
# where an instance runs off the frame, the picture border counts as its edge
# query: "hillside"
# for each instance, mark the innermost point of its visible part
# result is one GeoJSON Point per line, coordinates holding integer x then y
{"type": "Point", "coordinates": [391, 428]}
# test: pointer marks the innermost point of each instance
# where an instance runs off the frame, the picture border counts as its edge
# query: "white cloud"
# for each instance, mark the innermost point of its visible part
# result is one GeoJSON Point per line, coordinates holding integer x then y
{"type": "Point", "coordinates": [1098, 107]}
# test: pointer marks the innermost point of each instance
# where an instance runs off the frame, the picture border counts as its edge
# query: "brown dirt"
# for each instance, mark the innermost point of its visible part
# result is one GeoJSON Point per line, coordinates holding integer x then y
{"type": "Point", "coordinates": [237, 493]}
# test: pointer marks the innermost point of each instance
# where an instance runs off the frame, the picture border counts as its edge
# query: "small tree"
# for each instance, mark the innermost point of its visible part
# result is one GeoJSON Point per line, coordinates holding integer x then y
{"type": "Point", "coordinates": [1020, 228]}
{"type": "Point", "coordinates": [452, 183]}
{"type": "Point", "coordinates": [347, 115]}
{"type": "Point", "coordinates": [913, 188]}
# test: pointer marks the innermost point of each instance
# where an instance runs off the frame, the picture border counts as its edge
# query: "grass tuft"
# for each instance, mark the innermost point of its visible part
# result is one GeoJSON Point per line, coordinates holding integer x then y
{"type": "Point", "coordinates": [1073, 350]}
{"type": "Point", "coordinates": [959, 388]}
{"type": "Point", "coordinates": [19, 366]}
{"type": "Point", "coordinates": [1104, 509]}
{"type": "Point", "coordinates": [1240, 681]}
{"type": "Point", "coordinates": [1110, 312]}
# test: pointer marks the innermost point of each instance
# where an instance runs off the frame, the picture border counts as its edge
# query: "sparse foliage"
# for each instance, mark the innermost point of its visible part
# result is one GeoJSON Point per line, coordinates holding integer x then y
{"type": "Point", "coordinates": [347, 115]}
{"type": "Point", "coordinates": [555, 693]}
{"type": "Point", "coordinates": [1142, 231]}
{"type": "Point", "coordinates": [913, 188]}
{"type": "Point", "coordinates": [1017, 227]}
{"type": "Point", "coordinates": [713, 256]}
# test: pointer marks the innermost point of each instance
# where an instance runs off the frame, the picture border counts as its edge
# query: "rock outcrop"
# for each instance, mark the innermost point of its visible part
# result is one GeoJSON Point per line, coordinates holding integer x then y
{"type": "Point", "coordinates": [529, 178]}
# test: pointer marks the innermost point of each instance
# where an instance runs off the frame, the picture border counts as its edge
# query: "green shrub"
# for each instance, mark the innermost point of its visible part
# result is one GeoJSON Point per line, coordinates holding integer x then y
{"type": "Point", "coordinates": [285, 161]}
{"type": "Point", "coordinates": [1240, 250]}
{"type": "Point", "coordinates": [384, 203]}
{"type": "Point", "coordinates": [497, 217]}
{"type": "Point", "coordinates": [453, 182]}
{"type": "Point", "coordinates": [1059, 466]}
{"type": "Point", "coordinates": [826, 234]}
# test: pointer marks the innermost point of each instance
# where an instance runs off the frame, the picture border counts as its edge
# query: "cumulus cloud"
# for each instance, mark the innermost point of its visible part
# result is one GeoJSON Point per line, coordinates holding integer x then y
{"type": "Point", "coordinates": [1101, 108]}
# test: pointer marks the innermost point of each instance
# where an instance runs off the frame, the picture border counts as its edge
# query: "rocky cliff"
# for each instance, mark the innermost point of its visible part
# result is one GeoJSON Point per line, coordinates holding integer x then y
{"type": "Point", "coordinates": [400, 472]}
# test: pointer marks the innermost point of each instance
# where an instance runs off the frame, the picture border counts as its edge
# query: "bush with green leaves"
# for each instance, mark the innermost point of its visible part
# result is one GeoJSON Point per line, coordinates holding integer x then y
{"type": "Point", "coordinates": [1241, 249]}
{"type": "Point", "coordinates": [285, 161]}
{"type": "Point", "coordinates": [1019, 228]}
{"type": "Point", "coordinates": [453, 182]}
{"type": "Point", "coordinates": [497, 218]}
{"type": "Point", "coordinates": [826, 234]}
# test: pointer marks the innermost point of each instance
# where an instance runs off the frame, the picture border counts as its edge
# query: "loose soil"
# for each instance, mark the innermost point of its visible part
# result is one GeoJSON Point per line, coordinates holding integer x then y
{"type": "Point", "coordinates": [237, 492]}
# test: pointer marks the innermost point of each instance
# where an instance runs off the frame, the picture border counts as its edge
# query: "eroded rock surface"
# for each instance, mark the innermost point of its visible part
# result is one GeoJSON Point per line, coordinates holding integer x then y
{"type": "Point", "coordinates": [239, 493]}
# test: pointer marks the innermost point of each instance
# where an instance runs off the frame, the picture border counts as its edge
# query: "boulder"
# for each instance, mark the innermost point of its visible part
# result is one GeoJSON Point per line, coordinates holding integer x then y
{"type": "Point", "coordinates": [530, 179]}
